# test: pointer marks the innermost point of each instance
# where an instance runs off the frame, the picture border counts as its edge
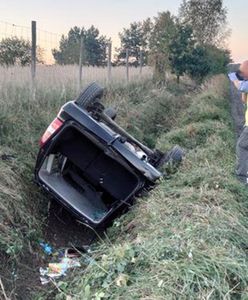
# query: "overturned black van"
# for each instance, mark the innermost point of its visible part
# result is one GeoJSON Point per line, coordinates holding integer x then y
{"type": "Point", "coordinates": [91, 165]}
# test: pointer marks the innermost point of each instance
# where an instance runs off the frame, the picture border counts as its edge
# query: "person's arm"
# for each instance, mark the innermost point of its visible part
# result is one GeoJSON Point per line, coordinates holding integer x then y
{"type": "Point", "coordinates": [233, 77]}
{"type": "Point", "coordinates": [242, 86]}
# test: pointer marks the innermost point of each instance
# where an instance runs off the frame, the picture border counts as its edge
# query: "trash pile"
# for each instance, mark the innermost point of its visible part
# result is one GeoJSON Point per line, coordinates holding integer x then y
{"type": "Point", "coordinates": [67, 259]}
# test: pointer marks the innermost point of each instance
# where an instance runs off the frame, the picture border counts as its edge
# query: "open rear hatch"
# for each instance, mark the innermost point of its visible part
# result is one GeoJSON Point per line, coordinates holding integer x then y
{"type": "Point", "coordinates": [87, 176]}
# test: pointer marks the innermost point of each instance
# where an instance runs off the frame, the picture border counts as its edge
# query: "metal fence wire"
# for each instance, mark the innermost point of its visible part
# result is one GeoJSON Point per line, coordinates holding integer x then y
{"type": "Point", "coordinates": [43, 42]}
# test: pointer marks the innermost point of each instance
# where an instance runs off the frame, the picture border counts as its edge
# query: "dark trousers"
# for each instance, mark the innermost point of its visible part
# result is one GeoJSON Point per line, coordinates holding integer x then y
{"type": "Point", "coordinates": [242, 156]}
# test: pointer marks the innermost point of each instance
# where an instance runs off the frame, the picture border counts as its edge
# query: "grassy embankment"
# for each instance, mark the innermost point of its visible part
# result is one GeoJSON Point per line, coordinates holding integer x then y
{"type": "Point", "coordinates": [188, 239]}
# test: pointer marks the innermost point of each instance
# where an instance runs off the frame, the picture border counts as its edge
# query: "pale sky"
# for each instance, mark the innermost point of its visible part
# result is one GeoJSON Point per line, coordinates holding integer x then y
{"type": "Point", "coordinates": [110, 17]}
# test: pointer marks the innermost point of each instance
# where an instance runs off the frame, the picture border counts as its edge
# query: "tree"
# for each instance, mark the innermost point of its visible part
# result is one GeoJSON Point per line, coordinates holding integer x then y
{"type": "Point", "coordinates": [198, 66]}
{"type": "Point", "coordinates": [218, 59]}
{"type": "Point", "coordinates": [163, 31]}
{"type": "Point", "coordinates": [189, 44]}
{"type": "Point", "coordinates": [135, 39]}
{"type": "Point", "coordinates": [69, 48]}
{"type": "Point", "coordinates": [207, 18]}
{"type": "Point", "coordinates": [180, 50]}
{"type": "Point", "coordinates": [16, 51]}
{"type": "Point", "coordinates": [206, 61]}
{"type": "Point", "coordinates": [94, 47]}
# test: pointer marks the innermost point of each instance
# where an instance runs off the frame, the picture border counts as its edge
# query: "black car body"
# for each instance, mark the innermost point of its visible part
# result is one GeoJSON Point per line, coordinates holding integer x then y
{"type": "Point", "coordinates": [91, 165]}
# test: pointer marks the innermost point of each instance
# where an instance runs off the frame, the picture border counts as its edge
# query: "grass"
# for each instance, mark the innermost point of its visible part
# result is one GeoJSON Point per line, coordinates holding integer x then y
{"type": "Point", "coordinates": [17, 221]}
{"type": "Point", "coordinates": [188, 239]}
{"type": "Point", "coordinates": [23, 208]}
{"type": "Point", "coordinates": [57, 77]}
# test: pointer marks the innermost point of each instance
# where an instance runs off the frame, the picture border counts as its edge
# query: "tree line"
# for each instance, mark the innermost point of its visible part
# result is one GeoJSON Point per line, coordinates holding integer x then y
{"type": "Point", "coordinates": [193, 43]}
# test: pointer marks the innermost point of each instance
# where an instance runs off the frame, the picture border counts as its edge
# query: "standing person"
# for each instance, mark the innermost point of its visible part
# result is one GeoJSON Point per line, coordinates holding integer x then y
{"type": "Point", "coordinates": [240, 80]}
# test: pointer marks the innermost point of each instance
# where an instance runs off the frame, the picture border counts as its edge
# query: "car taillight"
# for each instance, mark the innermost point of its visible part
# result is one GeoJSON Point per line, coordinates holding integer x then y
{"type": "Point", "coordinates": [52, 128]}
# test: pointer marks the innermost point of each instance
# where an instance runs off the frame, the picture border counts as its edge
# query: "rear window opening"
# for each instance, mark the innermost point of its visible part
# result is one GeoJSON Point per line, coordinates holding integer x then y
{"type": "Point", "coordinates": [85, 177]}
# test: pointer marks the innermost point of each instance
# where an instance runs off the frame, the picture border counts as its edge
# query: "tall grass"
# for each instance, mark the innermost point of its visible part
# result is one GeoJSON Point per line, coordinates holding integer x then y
{"type": "Point", "coordinates": [18, 219]}
{"type": "Point", "coordinates": [61, 77]}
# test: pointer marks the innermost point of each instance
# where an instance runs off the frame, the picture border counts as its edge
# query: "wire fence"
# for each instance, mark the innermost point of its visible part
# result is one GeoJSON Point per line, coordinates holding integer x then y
{"type": "Point", "coordinates": [46, 40]}
{"type": "Point", "coordinates": [49, 72]}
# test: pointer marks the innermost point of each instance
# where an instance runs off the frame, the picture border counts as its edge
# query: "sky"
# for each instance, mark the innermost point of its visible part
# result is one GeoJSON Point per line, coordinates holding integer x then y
{"type": "Point", "coordinates": [110, 17]}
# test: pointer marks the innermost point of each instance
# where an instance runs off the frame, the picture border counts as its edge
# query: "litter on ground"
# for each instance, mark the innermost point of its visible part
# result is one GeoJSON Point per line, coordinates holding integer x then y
{"type": "Point", "coordinates": [68, 260]}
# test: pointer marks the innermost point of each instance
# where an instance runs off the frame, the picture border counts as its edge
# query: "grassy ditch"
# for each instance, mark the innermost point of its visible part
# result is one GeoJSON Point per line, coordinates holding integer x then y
{"type": "Point", "coordinates": [22, 122]}
{"type": "Point", "coordinates": [23, 208]}
{"type": "Point", "coordinates": [188, 239]}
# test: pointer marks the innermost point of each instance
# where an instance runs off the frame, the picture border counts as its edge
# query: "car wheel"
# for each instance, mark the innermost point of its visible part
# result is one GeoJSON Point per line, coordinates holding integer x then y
{"type": "Point", "coordinates": [110, 112]}
{"type": "Point", "coordinates": [176, 154]}
{"type": "Point", "coordinates": [89, 95]}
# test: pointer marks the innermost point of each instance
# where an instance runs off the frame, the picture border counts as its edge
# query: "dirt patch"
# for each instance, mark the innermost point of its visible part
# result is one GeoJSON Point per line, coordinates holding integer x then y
{"type": "Point", "coordinates": [63, 229]}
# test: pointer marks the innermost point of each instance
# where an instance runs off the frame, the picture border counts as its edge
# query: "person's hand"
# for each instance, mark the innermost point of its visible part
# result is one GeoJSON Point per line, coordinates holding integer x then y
{"type": "Point", "coordinates": [232, 76]}
{"type": "Point", "coordinates": [237, 83]}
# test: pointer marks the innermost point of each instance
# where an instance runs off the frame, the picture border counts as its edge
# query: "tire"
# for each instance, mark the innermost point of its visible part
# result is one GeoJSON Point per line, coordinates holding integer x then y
{"type": "Point", "coordinates": [110, 112]}
{"type": "Point", "coordinates": [175, 156]}
{"type": "Point", "coordinates": [89, 95]}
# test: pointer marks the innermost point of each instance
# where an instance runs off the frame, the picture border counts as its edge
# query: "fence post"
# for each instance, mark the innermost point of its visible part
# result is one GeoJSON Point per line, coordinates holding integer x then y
{"type": "Point", "coordinates": [141, 61]}
{"type": "Point", "coordinates": [109, 61]}
{"type": "Point", "coordinates": [127, 65]}
{"type": "Point", "coordinates": [80, 63]}
{"type": "Point", "coordinates": [33, 58]}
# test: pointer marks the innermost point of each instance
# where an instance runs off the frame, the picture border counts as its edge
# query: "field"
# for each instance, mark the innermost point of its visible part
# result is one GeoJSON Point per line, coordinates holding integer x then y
{"type": "Point", "coordinates": [60, 77]}
{"type": "Point", "coordinates": [186, 240]}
